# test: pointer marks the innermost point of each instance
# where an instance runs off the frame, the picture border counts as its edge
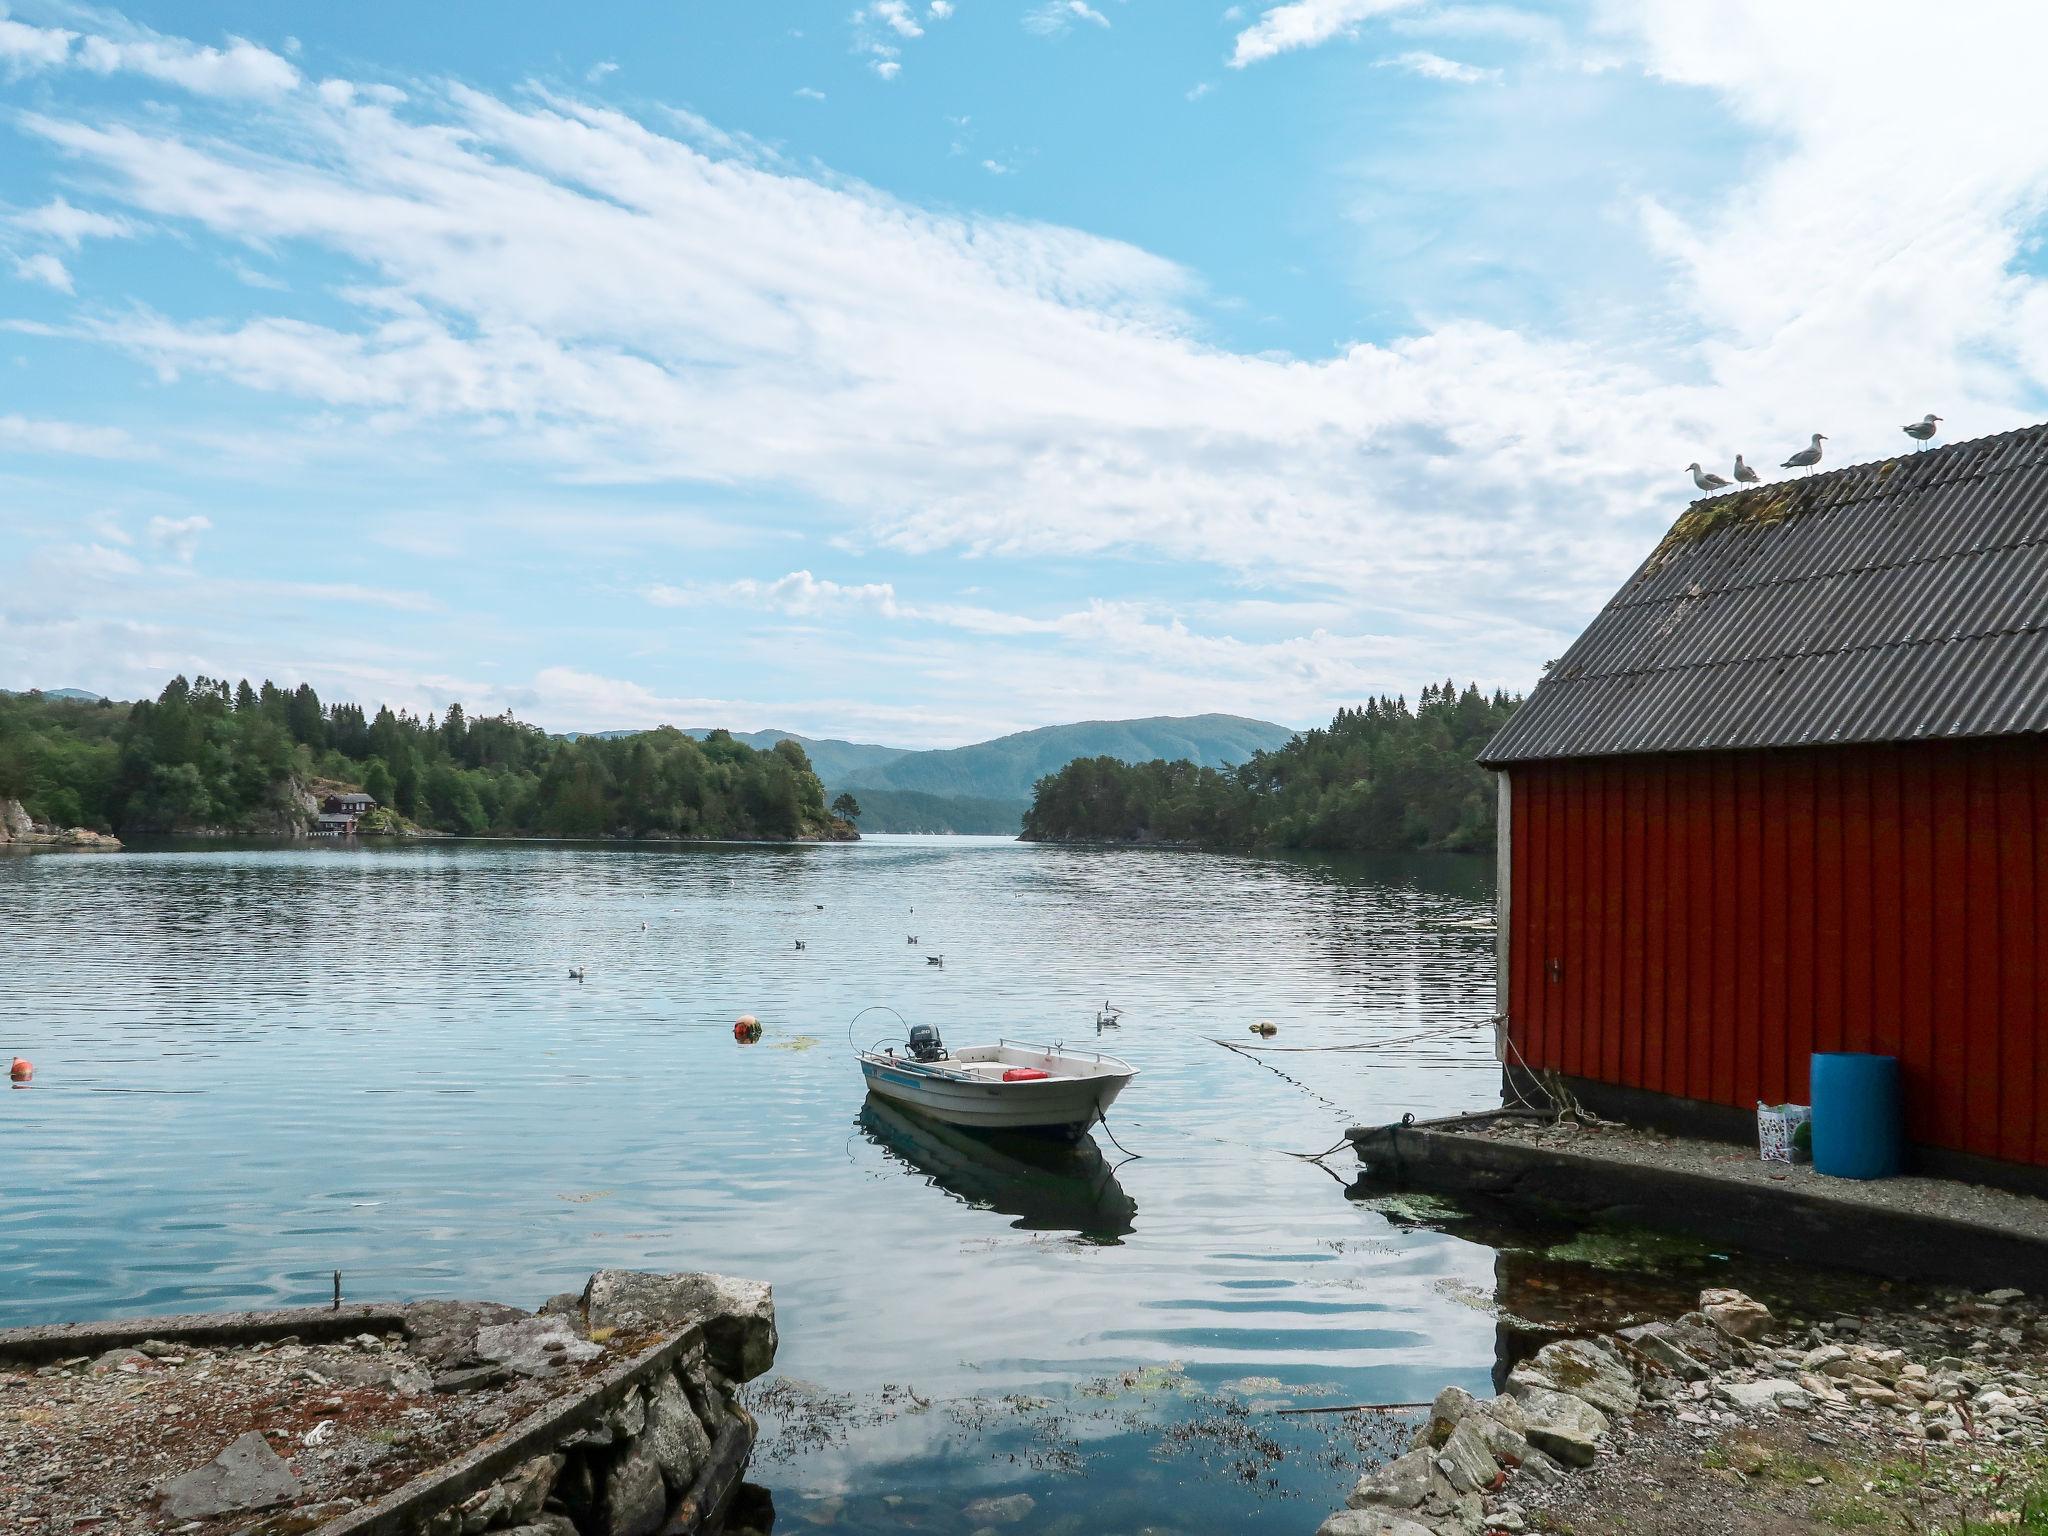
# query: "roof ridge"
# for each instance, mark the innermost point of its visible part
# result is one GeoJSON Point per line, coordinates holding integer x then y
{"type": "Point", "coordinates": [1916, 455]}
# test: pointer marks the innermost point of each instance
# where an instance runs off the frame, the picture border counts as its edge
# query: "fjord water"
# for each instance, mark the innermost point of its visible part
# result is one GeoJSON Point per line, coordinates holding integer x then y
{"type": "Point", "coordinates": [257, 1065]}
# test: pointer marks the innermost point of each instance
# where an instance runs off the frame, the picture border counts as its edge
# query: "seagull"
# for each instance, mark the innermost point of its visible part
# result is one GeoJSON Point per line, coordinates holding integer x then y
{"type": "Point", "coordinates": [1806, 457]}
{"type": "Point", "coordinates": [1705, 481]}
{"type": "Point", "coordinates": [1743, 472]}
{"type": "Point", "coordinates": [575, 973]}
{"type": "Point", "coordinates": [1923, 429]}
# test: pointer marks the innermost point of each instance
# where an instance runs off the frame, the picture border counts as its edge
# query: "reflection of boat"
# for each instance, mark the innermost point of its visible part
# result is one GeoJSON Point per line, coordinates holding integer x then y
{"type": "Point", "coordinates": [1002, 1087]}
{"type": "Point", "coordinates": [1047, 1186]}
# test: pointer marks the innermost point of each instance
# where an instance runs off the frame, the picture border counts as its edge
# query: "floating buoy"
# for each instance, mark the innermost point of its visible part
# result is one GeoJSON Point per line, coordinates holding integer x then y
{"type": "Point", "coordinates": [746, 1029]}
{"type": "Point", "coordinates": [1265, 1027]}
{"type": "Point", "coordinates": [22, 1070]}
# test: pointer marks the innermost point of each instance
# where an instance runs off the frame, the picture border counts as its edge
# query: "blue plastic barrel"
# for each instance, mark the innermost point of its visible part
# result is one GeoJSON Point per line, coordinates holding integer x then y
{"type": "Point", "coordinates": [1859, 1125]}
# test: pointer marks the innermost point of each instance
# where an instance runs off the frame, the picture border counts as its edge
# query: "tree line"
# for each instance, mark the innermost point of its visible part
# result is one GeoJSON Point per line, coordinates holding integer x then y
{"type": "Point", "coordinates": [207, 754]}
{"type": "Point", "coordinates": [1381, 776]}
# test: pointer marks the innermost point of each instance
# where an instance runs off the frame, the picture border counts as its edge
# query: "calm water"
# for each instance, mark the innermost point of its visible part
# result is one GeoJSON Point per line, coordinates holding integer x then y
{"type": "Point", "coordinates": [255, 1066]}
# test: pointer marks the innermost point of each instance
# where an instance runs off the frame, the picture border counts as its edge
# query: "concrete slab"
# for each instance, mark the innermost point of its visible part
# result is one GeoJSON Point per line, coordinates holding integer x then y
{"type": "Point", "coordinates": [1912, 1227]}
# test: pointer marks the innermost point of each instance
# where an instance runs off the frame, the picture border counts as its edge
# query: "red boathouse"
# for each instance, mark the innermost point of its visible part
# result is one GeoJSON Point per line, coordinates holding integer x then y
{"type": "Point", "coordinates": [1789, 793]}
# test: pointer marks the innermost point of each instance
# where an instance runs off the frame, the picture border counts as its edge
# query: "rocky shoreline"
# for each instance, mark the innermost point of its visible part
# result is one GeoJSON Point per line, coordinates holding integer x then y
{"type": "Point", "coordinates": [18, 831]}
{"type": "Point", "coordinates": [1854, 1417]}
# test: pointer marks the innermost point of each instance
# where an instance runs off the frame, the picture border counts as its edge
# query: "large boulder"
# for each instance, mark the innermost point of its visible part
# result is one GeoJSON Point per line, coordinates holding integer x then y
{"type": "Point", "coordinates": [1402, 1483]}
{"type": "Point", "coordinates": [680, 1444]}
{"type": "Point", "coordinates": [1466, 1460]}
{"type": "Point", "coordinates": [1566, 1427]}
{"type": "Point", "coordinates": [635, 1497]}
{"type": "Point", "coordinates": [247, 1476]}
{"type": "Point", "coordinates": [1587, 1369]}
{"type": "Point", "coordinates": [1737, 1315]}
{"type": "Point", "coordinates": [737, 1316]}
{"type": "Point", "coordinates": [1372, 1522]}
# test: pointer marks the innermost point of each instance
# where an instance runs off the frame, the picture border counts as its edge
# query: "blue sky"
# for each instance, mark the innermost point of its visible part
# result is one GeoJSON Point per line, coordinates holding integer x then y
{"type": "Point", "coordinates": [918, 372]}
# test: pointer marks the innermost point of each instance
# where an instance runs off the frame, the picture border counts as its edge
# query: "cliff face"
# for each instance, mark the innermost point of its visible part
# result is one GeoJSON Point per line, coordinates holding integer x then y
{"type": "Point", "coordinates": [17, 831]}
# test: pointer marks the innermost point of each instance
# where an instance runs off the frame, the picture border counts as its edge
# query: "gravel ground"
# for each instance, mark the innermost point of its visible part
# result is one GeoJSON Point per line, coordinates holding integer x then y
{"type": "Point", "coordinates": [2023, 1214]}
{"type": "Point", "coordinates": [1927, 1418]}
{"type": "Point", "coordinates": [87, 1445]}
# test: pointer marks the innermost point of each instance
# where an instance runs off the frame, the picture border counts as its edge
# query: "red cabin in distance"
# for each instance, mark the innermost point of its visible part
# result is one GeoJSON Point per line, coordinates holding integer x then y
{"type": "Point", "coordinates": [1789, 793]}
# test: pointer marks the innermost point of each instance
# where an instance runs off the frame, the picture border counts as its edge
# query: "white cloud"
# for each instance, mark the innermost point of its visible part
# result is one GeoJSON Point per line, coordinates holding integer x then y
{"type": "Point", "coordinates": [71, 227]}
{"type": "Point", "coordinates": [1306, 24]}
{"type": "Point", "coordinates": [939, 10]}
{"type": "Point", "coordinates": [896, 16]}
{"type": "Point", "coordinates": [996, 167]}
{"type": "Point", "coordinates": [1053, 17]}
{"type": "Point", "coordinates": [888, 69]}
{"type": "Point", "coordinates": [1434, 66]}
{"type": "Point", "coordinates": [241, 69]}
{"type": "Point", "coordinates": [597, 72]}
{"type": "Point", "coordinates": [23, 47]}
{"type": "Point", "coordinates": [45, 269]}
{"type": "Point", "coordinates": [1197, 92]}
{"type": "Point", "coordinates": [178, 536]}
{"type": "Point", "coordinates": [27, 434]}
{"type": "Point", "coordinates": [809, 93]}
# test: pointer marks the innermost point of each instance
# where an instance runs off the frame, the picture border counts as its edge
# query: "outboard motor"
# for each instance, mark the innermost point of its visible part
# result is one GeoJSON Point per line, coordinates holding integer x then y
{"type": "Point", "coordinates": [925, 1044]}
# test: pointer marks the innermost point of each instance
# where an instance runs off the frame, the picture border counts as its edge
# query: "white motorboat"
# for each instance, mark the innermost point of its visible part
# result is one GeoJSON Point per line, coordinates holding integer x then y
{"type": "Point", "coordinates": [1043, 1089]}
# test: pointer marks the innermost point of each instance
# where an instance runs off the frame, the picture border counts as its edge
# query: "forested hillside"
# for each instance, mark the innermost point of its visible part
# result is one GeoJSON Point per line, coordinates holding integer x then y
{"type": "Point", "coordinates": [210, 755]}
{"type": "Point", "coordinates": [1381, 776]}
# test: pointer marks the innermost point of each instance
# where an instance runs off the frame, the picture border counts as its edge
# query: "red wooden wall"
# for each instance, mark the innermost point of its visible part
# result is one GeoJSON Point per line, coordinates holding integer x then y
{"type": "Point", "coordinates": [1699, 924]}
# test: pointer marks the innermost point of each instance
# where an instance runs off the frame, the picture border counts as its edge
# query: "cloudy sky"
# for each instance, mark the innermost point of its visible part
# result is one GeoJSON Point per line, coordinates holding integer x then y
{"type": "Point", "coordinates": [935, 368]}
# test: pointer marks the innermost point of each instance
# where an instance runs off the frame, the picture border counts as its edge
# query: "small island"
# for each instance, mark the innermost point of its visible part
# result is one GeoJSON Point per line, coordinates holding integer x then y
{"type": "Point", "coordinates": [207, 758]}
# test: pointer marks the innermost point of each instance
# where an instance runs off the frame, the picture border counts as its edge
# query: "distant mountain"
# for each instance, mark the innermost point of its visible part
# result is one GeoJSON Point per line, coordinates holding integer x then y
{"type": "Point", "coordinates": [1006, 769]}
{"type": "Point", "coordinates": [78, 695]}
{"type": "Point", "coordinates": [910, 810]}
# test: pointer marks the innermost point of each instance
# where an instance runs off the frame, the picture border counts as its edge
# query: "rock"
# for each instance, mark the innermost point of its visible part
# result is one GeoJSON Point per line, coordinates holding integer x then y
{"type": "Point", "coordinates": [528, 1487]}
{"type": "Point", "coordinates": [247, 1476]}
{"type": "Point", "coordinates": [392, 1373]}
{"type": "Point", "coordinates": [1007, 1510]}
{"type": "Point", "coordinates": [635, 1497]}
{"type": "Point", "coordinates": [1370, 1522]}
{"type": "Point", "coordinates": [737, 1316]}
{"type": "Point", "coordinates": [679, 1442]}
{"type": "Point", "coordinates": [1764, 1396]}
{"type": "Point", "coordinates": [1466, 1461]}
{"type": "Point", "coordinates": [629, 1417]}
{"type": "Point", "coordinates": [1566, 1427]}
{"type": "Point", "coordinates": [546, 1525]}
{"type": "Point", "coordinates": [114, 1359]}
{"type": "Point", "coordinates": [1402, 1483]}
{"type": "Point", "coordinates": [1502, 1424]}
{"type": "Point", "coordinates": [563, 1304]}
{"type": "Point", "coordinates": [1828, 1360]}
{"type": "Point", "coordinates": [1737, 1315]}
{"type": "Point", "coordinates": [473, 1379]}
{"type": "Point", "coordinates": [1586, 1369]}
{"type": "Point", "coordinates": [1451, 1405]}
{"type": "Point", "coordinates": [2005, 1296]}
{"type": "Point", "coordinates": [444, 1332]}
{"type": "Point", "coordinates": [1662, 1343]}
{"type": "Point", "coordinates": [535, 1346]}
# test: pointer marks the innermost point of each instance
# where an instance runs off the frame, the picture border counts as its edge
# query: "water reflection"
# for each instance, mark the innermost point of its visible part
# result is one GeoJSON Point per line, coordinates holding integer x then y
{"type": "Point", "coordinates": [1048, 1186]}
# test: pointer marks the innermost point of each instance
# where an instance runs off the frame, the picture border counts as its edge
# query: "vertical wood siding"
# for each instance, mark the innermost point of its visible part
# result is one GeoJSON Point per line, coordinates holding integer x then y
{"type": "Point", "coordinates": [1698, 925]}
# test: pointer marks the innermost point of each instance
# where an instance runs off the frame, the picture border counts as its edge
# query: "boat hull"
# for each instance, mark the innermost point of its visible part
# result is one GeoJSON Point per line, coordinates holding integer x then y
{"type": "Point", "coordinates": [1065, 1108]}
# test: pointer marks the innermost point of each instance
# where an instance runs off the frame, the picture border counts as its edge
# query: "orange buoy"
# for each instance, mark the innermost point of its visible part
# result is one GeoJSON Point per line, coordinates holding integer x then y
{"type": "Point", "coordinates": [22, 1070]}
{"type": "Point", "coordinates": [746, 1029]}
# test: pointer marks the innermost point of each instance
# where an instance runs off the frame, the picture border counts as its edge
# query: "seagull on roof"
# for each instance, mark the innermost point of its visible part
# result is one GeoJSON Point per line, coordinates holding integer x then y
{"type": "Point", "coordinates": [1806, 457]}
{"type": "Point", "coordinates": [1923, 429]}
{"type": "Point", "coordinates": [1743, 472]}
{"type": "Point", "coordinates": [1705, 481]}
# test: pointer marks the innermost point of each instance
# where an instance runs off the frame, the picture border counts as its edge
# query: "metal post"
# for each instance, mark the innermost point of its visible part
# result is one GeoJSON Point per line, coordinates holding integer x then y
{"type": "Point", "coordinates": [337, 1290]}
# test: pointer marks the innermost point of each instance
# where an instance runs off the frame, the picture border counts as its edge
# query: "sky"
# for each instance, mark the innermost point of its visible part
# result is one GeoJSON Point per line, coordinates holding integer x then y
{"type": "Point", "coordinates": [917, 371]}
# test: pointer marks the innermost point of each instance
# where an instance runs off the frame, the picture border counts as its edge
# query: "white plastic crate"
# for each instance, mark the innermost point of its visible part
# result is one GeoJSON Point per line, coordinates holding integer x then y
{"type": "Point", "coordinates": [1775, 1124]}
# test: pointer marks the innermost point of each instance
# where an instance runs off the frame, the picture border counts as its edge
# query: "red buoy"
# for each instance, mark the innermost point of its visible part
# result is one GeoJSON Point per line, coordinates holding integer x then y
{"type": "Point", "coordinates": [22, 1070]}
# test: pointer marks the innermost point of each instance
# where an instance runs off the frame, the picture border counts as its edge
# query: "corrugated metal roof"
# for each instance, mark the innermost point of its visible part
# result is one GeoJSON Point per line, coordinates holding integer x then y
{"type": "Point", "coordinates": [1904, 600]}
